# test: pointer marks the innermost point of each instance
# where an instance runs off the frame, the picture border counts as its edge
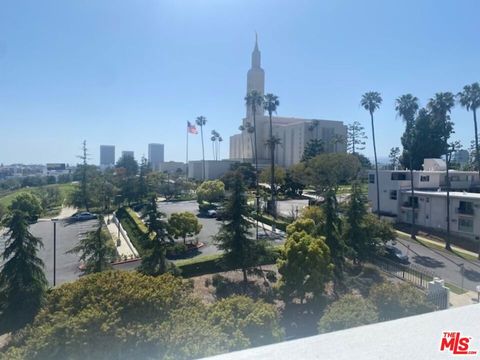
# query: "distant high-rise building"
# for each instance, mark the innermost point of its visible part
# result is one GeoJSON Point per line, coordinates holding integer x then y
{"type": "Point", "coordinates": [107, 155]}
{"type": "Point", "coordinates": [155, 155]}
{"type": "Point", "coordinates": [128, 153]}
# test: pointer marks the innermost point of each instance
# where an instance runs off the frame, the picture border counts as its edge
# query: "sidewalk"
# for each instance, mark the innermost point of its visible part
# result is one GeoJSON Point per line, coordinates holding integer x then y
{"type": "Point", "coordinates": [123, 245]}
{"type": "Point", "coordinates": [468, 298]}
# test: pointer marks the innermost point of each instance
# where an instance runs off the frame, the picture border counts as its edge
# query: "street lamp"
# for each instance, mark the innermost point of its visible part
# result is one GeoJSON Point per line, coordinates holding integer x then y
{"type": "Point", "coordinates": [54, 251]}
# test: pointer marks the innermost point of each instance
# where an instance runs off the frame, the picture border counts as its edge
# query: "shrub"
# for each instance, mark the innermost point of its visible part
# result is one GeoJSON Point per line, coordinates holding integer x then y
{"type": "Point", "coordinates": [349, 311]}
{"type": "Point", "coordinates": [395, 301]}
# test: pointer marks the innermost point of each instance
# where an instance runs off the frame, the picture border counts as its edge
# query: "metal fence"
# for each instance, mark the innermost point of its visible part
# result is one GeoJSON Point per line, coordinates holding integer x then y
{"type": "Point", "coordinates": [411, 273]}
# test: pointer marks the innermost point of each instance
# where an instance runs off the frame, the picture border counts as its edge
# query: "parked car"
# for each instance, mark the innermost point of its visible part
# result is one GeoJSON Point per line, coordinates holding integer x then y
{"type": "Point", "coordinates": [82, 216]}
{"type": "Point", "coordinates": [392, 253]}
{"type": "Point", "coordinates": [212, 213]}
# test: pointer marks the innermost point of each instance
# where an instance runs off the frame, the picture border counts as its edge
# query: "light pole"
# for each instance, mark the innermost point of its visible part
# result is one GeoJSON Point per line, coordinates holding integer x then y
{"type": "Point", "coordinates": [54, 251]}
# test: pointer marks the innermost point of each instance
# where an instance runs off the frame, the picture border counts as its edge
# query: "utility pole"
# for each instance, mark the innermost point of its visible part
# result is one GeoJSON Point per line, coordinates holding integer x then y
{"type": "Point", "coordinates": [54, 251]}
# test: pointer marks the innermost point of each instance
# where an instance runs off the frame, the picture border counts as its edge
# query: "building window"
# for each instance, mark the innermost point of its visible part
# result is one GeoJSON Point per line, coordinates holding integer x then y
{"type": "Point", "coordinates": [412, 201]}
{"type": "Point", "coordinates": [465, 207]}
{"type": "Point", "coordinates": [465, 225]}
{"type": "Point", "coordinates": [398, 176]}
{"type": "Point", "coordinates": [393, 194]}
{"type": "Point", "coordinates": [371, 178]}
{"type": "Point", "coordinates": [425, 178]}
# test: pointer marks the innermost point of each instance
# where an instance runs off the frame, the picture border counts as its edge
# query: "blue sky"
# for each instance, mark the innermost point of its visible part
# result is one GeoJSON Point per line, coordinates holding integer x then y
{"type": "Point", "coordinates": [132, 72]}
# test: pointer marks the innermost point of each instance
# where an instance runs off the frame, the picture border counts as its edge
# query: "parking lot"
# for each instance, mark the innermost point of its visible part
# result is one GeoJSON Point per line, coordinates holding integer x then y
{"type": "Point", "coordinates": [68, 235]}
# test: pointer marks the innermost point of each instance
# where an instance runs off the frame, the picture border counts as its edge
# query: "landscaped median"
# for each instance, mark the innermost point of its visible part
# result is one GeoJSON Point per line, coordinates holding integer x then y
{"type": "Point", "coordinates": [200, 265]}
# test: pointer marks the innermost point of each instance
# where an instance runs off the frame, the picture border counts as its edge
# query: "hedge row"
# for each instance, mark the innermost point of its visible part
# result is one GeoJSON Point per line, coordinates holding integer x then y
{"type": "Point", "coordinates": [213, 264]}
{"type": "Point", "coordinates": [269, 221]}
{"type": "Point", "coordinates": [135, 228]}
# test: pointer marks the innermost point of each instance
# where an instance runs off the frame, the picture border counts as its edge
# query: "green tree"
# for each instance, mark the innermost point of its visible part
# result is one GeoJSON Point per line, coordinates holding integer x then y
{"type": "Point", "coordinates": [22, 280]}
{"type": "Point", "coordinates": [407, 107]}
{"type": "Point", "coordinates": [440, 106]}
{"type": "Point", "coordinates": [86, 194]}
{"type": "Point", "coordinates": [304, 263]}
{"type": "Point", "coordinates": [154, 260]}
{"type": "Point", "coordinates": [270, 104]}
{"type": "Point", "coordinates": [333, 233]}
{"type": "Point", "coordinates": [327, 171]}
{"type": "Point", "coordinates": [292, 186]}
{"type": "Point", "coordinates": [202, 121]}
{"type": "Point", "coordinates": [469, 98]}
{"type": "Point", "coordinates": [184, 224]}
{"type": "Point", "coordinates": [27, 203]}
{"type": "Point", "coordinates": [347, 312]}
{"type": "Point", "coordinates": [279, 178]}
{"type": "Point", "coordinates": [371, 102]}
{"type": "Point", "coordinates": [251, 323]}
{"type": "Point", "coordinates": [395, 301]}
{"type": "Point", "coordinates": [240, 251]}
{"type": "Point", "coordinates": [96, 250]}
{"type": "Point", "coordinates": [127, 166]}
{"type": "Point", "coordinates": [211, 191]}
{"type": "Point", "coordinates": [365, 234]}
{"type": "Point", "coordinates": [394, 157]}
{"type": "Point", "coordinates": [254, 100]}
{"type": "Point", "coordinates": [313, 148]}
{"type": "Point", "coordinates": [247, 170]}
{"type": "Point", "coordinates": [143, 185]}
{"type": "Point", "coordinates": [355, 137]}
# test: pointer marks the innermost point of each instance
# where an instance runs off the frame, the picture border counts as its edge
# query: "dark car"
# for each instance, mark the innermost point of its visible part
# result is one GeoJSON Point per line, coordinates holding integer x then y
{"type": "Point", "coordinates": [392, 253]}
{"type": "Point", "coordinates": [83, 216]}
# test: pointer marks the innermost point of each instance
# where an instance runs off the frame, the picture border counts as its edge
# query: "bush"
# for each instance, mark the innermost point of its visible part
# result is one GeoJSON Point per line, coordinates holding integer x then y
{"type": "Point", "coordinates": [349, 311]}
{"type": "Point", "coordinates": [126, 315]}
{"type": "Point", "coordinates": [176, 250]}
{"type": "Point", "coordinates": [395, 301]}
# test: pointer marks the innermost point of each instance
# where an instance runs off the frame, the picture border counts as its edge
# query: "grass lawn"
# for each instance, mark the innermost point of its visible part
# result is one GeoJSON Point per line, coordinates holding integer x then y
{"type": "Point", "coordinates": [7, 198]}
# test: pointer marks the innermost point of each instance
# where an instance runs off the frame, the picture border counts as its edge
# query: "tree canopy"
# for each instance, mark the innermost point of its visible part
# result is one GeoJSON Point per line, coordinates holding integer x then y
{"type": "Point", "coordinates": [127, 315]}
{"type": "Point", "coordinates": [211, 191]}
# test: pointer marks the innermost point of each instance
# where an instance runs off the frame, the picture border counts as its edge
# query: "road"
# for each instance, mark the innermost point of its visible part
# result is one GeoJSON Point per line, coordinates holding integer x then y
{"type": "Point", "coordinates": [442, 263]}
{"type": "Point", "coordinates": [68, 235]}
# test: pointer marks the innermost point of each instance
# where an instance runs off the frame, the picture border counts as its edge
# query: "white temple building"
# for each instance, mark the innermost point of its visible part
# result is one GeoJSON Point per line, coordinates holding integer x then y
{"type": "Point", "coordinates": [294, 133]}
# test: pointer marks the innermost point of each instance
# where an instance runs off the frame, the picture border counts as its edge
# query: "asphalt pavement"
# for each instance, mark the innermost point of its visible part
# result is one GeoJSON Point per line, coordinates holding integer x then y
{"type": "Point", "coordinates": [443, 264]}
{"type": "Point", "coordinates": [68, 235]}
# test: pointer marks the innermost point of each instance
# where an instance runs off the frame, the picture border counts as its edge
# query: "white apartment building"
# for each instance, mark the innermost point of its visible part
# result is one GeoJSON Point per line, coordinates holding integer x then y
{"type": "Point", "coordinates": [430, 198]}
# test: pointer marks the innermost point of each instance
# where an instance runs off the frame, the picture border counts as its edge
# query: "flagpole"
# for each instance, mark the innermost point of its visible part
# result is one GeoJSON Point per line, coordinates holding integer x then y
{"type": "Point", "coordinates": [186, 160]}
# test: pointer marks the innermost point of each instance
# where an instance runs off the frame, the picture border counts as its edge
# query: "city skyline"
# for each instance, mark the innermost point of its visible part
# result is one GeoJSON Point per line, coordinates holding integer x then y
{"type": "Point", "coordinates": [137, 74]}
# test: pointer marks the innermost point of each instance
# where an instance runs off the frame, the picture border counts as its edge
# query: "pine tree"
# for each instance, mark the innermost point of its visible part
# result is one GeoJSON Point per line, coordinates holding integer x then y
{"type": "Point", "coordinates": [22, 279]}
{"type": "Point", "coordinates": [95, 250]}
{"type": "Point", "coordinates": [240, 251]}
{"type": "Point", "coordinates": [355, 235]}
{"type": "Point", "coordinates": [154, 260]}
{"type": "Point", "coordinates": [332, 232]}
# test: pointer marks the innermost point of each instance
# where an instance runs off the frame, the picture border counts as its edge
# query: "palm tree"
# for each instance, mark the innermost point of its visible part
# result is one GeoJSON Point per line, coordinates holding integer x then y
{"type": "Point", "coordinates": [254, 99]}
{"type": "Point", "coordinates": [242, 129]}
{"type": "Point", "coordinates": [22, 280]}
{"type": "Point", "coordinates": [250, 131]}
{"type": "Point", "coordinates": [371, 101]}
{"type": "Point", "coordinates": [219, 139]}
{"type": "Point", "coordinates": [270, 104]}
{"type": "Point", "coordinates": [440, 106]}
{"type": "Point", "coordinates": [407, 106]}
{"type": "Point", "coordinates": [469, 98]}
{"type": "Point", "coordinates": [213, 139]}
{"type": "Point", "coordinates": [201, 121]}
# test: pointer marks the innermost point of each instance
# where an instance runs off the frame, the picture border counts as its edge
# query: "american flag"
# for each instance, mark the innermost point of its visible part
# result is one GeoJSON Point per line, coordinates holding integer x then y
{"type": "Point", "coordinates": [191, 128]}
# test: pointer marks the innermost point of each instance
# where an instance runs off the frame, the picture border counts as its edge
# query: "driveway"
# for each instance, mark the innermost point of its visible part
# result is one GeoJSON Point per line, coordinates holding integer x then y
{"type": "Point", "coordinates": [445, 265]}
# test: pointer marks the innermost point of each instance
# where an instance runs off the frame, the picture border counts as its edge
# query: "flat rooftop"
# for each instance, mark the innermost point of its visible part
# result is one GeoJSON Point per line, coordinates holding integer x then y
{"type": "Point", "coordinates": [455, 194]}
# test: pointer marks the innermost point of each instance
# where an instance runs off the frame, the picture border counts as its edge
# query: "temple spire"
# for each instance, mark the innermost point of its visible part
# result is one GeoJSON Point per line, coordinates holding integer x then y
{"type": "Point", "coordinates": [256, 54]}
